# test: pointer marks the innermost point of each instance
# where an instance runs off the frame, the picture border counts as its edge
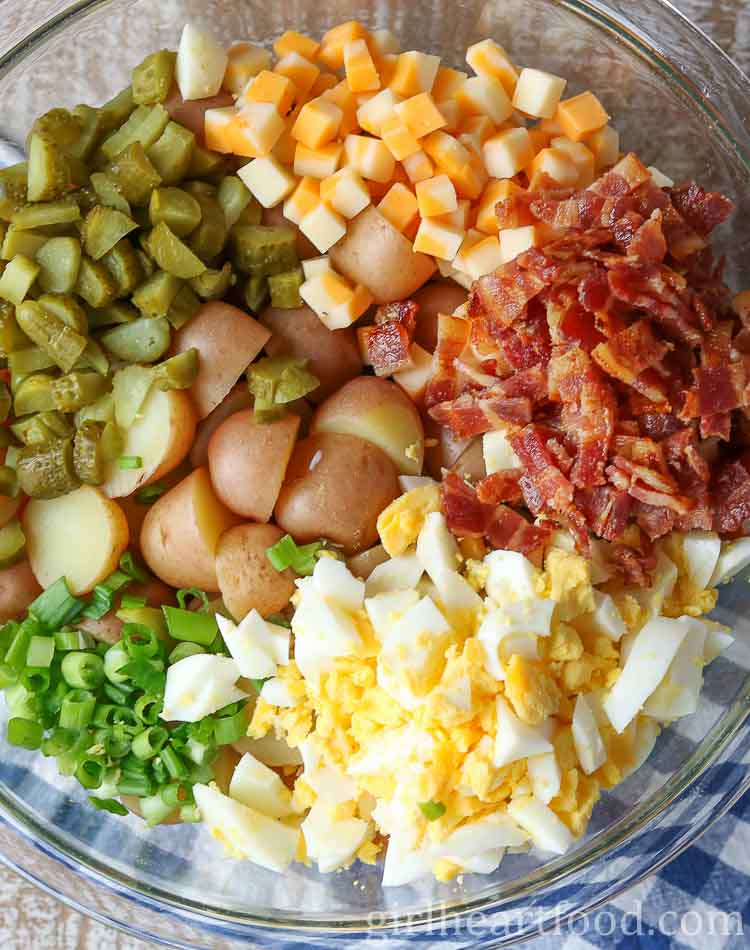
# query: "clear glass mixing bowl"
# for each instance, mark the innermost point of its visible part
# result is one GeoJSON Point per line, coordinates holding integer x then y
{"type": "Point", "coordinates": [682, 105]}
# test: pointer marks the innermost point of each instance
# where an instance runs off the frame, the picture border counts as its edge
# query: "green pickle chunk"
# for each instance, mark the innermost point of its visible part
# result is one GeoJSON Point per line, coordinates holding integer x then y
{"type": "Point", "coordinates": [172, 255]}
{"type": "Point", "coordinates": [176, 208]}
{"type": "Point", "coordinates": [260, 250]}
{"type": "Point", "coordinates": [88, 462]}
{"type": "Point", "coordinates": [153, 77]}
{"type": "Point", "coordinates": [178, 372]}
{"type": "Point", "coordinates": [75, 390]}
{"type": "Point", "coordinates": [284, 289]}
{"type": "Point", "coordinates": [142, 341]}
{"type": "Point", "coordinates": [34, 394]}
{"type": "Point", "coordinates": [103, 228]}
{"type": "Point", "coordinates": [134, 175]}
{"type": "Point", "coordinates": [12, 544]}
{"type": "Point", "coordinates": [49, 172]}
{"type": "Point", "coordinates": [156, 294]}
{"type": "Point", "coordinates": [17, 279]}
{"type": "Point", "coordinates": [256, 293]}
{"type": "Point", "coordinates": [275, 381]}
{"type": "Point", "coordinates": [61, 342]}
{"type": "Point", "coordinates": [46, 470]}
{"type": "Point", "coordinates": [172, 153]}
{"type": "Point", "coordinates": [59, 261]}
{"type": "Point", "coordinates": [213, 284]}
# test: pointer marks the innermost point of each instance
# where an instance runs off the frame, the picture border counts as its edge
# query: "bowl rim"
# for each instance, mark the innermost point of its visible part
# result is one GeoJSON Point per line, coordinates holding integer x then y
{"type": "Point", "coordinates": [625, 830]}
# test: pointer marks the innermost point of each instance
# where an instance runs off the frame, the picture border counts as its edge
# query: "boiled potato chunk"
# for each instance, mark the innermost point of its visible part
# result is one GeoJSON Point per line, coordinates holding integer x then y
{"type": "Point", "coordinates": [161, 436]}
{"type": "Point", "coordinates": [192, 112]}
{"type": "Point", "coordinates": [336, 486]}
{"type": "Point", "coordinates": [238, 398]}
{"type": "Point", "coordinates": [375, 254]}
{"type": "Point", "coordinates": [380, 412]}
{"type": "Point", "coordinates": [248, 460]}
{"type": "Point", "coordinates": [247, 579]}
{"type": "Point", "coordinates": [80, 536]}
{"type": "Point", "coordinates": [181, 531]}
{"type": "Point", "coordinates": [434, 298]}
{"type": "Point", "coordinates": [18, 587]}
{"type": "Point", "coordinates": [227, 340]}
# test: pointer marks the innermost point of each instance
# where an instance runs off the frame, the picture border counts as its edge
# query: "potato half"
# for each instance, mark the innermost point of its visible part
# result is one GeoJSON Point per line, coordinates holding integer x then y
{"type": "Point", "coordinates": [247, 579]}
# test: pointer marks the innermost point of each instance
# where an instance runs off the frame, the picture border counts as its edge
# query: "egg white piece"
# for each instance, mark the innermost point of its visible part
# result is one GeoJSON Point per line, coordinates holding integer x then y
{"type": "Point", "coordinates": [437, 549]}
{"type": "Point", "coordinates": [246, 833]}
{"type": "Point", "coordinates": [546, 830]}
{"type": "Point", "coordinates": [456, 593]}
{"type": "Point", "coordinates": [514, 628]}
{"type": "Point", "coordinates": [605, 618]}
{"type": "Point", "coordinates": [586, 738]}
{"type": "Point", "coordinates": [677, 694]}
{"type": "Point", "coordinates": [645, 733]}
{"type": "Point", "coordinates": [701, 550]}
{"type": "Point", "coordinates": [511, 577]}
{"type": "Point", "coordinates": [408, 746]}
{"type": "Point", "coordinates": [276, 692]}
{"type": "Point", "coordinates": [653, 649]}
{"type": "Point", "coordinates": [413, 653]}
{"type": "Point", "coordinates": [663, 579]}
{"type": "Point", "coordinates": [200, 685]}
{"type": "Point", "coordinates": [255, 785]}
{"type": "Point", "coordinates": [498, 452]}
{"type": "Point", "coordinates": [331, 842]}
{"type": "Point", "coordinates": [386, 609]}
{"type": "Point", "coordinates": [408, 483]}
{"type": "Point", "coordinates": [544, 775]}
{"type": "Point", "coordinates": [485, 863]}
{"type": "Point", "coordinates": [516, 739]}
{"type": "Point", "coordinates": [323, 631]}
{"type": "Point", "coordinates": [201, 64]}
{"type": "Point", "coordinates": [334, 582]}
{"type": "Point", "coordinates": [718, 639]}
{"type": "Point", "coordinates": [326, 781]}
{"type": "Point", "coordinates": [734, 557]}
{"type": "Point", "coordinates": [257, 646]}
{"type": "Point", "coordinates": [397, 573]}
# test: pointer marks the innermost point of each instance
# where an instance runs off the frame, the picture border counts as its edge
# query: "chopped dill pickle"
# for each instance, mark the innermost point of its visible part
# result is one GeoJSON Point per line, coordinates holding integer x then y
{"type": "Point", "coordinates": [256, 292]}
{"type": "Point", "coordinates": [17, 279]}
{"type": "Point", "coordinates": [31, 359]}
{"type": "Point", "coordinates": [213, 284]}
{"type": "Point", "coordinates": [153, 77]}
{"type": "Point", "coordinates": [130, 388]}
{"type": "Point", "coordinates": [208, 239]}
{"type": "Point", "coordinates": [134, 175]}
{"type": "Point", "coordinates": [46, 470]}
{"type": "Point", "coordinates": [103, 228]}
{"type": "Point", "coordinates": [172, 153]}
{"type": "Point", "coordinates": [12, 544]}
{"type": "Point", "coordinates": [262, 250]}
{"type": "Point", "coordinates": [145, 261]}
{"type": "Point", "coordinates": [234, 198]}
{"type": "Point", "coordinates": [75, 390]}
{"type": "Point", "coordinates": [123, 264]}
{"type": "Point", "coordinates": [59, 261]}
{"type": "Point", "coordinates": [117, 110]}
{"type": "Point", "coordinates": [34, 395]}
{"type": "Point", "coordinates": [111, 442]}
{"type": "Point", "coordinates": [103, 410]}
{"type": "Point", "coordinates": [46, 214]}
{"type": "Point", "coordinates": [87, 457]}
{"type": "Point", "coordinates": [172, 255]}
{"type": "Point", "coordinates": [64, 344]}
{"type": "Point", "coordinates": [156, 294]}
{"type": "Point", "coordinates": [108, 192]}
{"type": "Point", "coordinates": [144, 126]}
{"type": "Point", "coordinates": [284, 289]}
{"type": "Point", "coordinates": [117, 312]}
{"type": "Point", "coordinates": [12, 189]}
{"type": "Point", "coordinates": [21, 242]}
{"type": "Point", "coordinates": [178, 372]}
{"type": "Point", "coordinates": [142, 341]}
{"type": "Point", "coordinates": [176, 208]}
{"type": "Point", "coordinates": [183, 307]}
{"type": "Point", "coordinates": [276, 381]}
{"type": "Point", "coordinates": [93, 357]}
{"type": "Point", "coordinates": [91, 125]}
{"type": "Point", "coordinates": [40, 428]}
{"type": "Point", "coordinates": [252, 214]}
{"type": "Point", "coordinates": [95, 283]}
{"type": "Point", "coordinates": [66, 308]}
{"type": "Point", "coordinates": [205, 164]}
{"type": "Point", "coordinates": [49, 175]}
{"type": "Point", "coordinates": [59, 126]}
{"type": "Point", "coordinates": [12, 338]}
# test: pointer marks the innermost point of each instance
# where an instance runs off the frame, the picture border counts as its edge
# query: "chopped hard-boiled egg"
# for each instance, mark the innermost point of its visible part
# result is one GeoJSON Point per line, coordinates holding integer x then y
{"type": "Point", "coordinates": [200, 65]}
{"type": "Point", "coordinates": [257, 786]}
{"type": "Point", "coordinates": [546, 830]}
{"type": "Point", "coordinates": [256, 645]}
{"type": "Point", "coordinates": [199, 685]}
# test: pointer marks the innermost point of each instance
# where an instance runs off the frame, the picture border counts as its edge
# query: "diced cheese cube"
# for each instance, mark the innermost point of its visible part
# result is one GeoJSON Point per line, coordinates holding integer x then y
{"type": "Point", "coordinates": [342, 96]}
{"type": "Point", "coordinates": [271, 87]}
{"type": "Point", "coordinates": [459, 218]}
{"type": "Point", "coordinates": [314, 266]}
{"type": "Point", "coordinates": [551, 127]}
{"type": "Point", "coordinates": [323, 83]}
{"type": "Point", "coordinates": [244, 60]}
{"type": "Point", "coordinates": [333, 42]}
{"type": "Point", "coordinates": [220, 127]}
{"type": "Point", "coordinates": [420, 114]}
{"type": "Point", "coordinates": [383, 42]}
{"type": "Point", "coordinates": [494, 192]}
{"type": "Point", "coordinates": [581, 156]}
{"type": "Point", "coordinates": [293, 42]}
{"type": "Point", "coordinates": [317, 162]}
{"type": "Point", "coordinates": [487, 58]}
{"type": "Point", "coordinates": [659, 178]}
{"type": "Point", "coordinates": [581, 115]}
{"type": "Point", "coordinates": [200, 65]}
{"type": "Point", "coordinates": [507, 153]}
{"type": "Point", "coordinates": [436, 196]}
{"type": "Point", "coordinates": [267, 180]}
{"type": "Point", "coordinates": [538, 93]}
{"type": "Point", "coordinates": [555, 164]}
{"type": "Point", "coordinates": [480, 127]}
{"type": "Point", "coordinates": [323, 226]}
{"type": "Point", "coordinates": [285, 148]}
{"type": "Point", "coordinates": [418, 166]}
{"type": "Point", "coordinates": [485, 95]}
{"type": "Point", "coordinates": [483, 257]}
{"type": "Point", "coordinates": [447, 82]}
{"type": "Point", "coordinates": [399, 207]}
{"type": "Point", "coordinates": [369, 157]}
{"type": "Point", "coordinates": [471, 238]}
{"type": "Point", "coordinates": [450, 155]}
{"type": "Point", "coordinates": [448, 271]}
{"type": "Point", "coordinates": [386, 67]}
{"type": "Point", "coordinates": [304, 199]}
{"type": "Point", "coordinates": [415, 73]}
{"type": "Point", "coordinates": [437, 239]}
{"type": "Point", "coordinates": [498, 453]}
{"type": "Point", "coordinates": [325, 292]}
{"type": "Point", "coordinates": [256, 129]}
{"type": "Point", "coordinates": [514, 241]}
{"type": "Point", "coordinates": [451, 113]}
{"type": "Point", "coordinates": [317, 123]}
{"type": "Point", "coordinates": [397, 138]}
{"type": "Point", "coordinates": [361, 74]}
{"type": "Point", "coordinates": [605, 144]}
{"type": "Point", "coordinates": [373, 113]}
{"type": "Point", "coordinates": [300, 70]}
{"type": "Point", "coordinates": [414, 380]}
{"type": "Point", "coordinates": [350, 310]}
{"type": "Point", "coordinates": [539, 138]}
{"type": "Point", "coordinates": [345, 192]}
{"type": "Point", "coordinates": [470, 179]}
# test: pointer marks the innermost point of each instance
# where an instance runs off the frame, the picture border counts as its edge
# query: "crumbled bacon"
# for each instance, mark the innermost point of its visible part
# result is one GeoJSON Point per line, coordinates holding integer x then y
{"type": "Point", "coordinates": [501, 487]}
{"type": "Point", "coordinates": [386, 347]}
{"type": "Point", "coordinates": [400, 311]}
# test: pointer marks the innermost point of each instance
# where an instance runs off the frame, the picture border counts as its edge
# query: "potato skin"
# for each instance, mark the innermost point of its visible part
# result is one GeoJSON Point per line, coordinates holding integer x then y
{"type": "Point", "coordinates": [248, 460]}
{"type": "Point", "coordinates": [108, 628]}
{"type": "Point", "coordinates": [191, 113]}
{"type": "Point", "coordinates": [336, 486]}
{"type": "Point", "coordinates": [247, 579]}
{"type": "Point", "coordinates": [236, 399]}
{"type": "Point", "coordinates": [333, 355]}
{"type": "Point", "coordinates": [18, 587]}
{"type": "Point", "coordinates": [434, 298]}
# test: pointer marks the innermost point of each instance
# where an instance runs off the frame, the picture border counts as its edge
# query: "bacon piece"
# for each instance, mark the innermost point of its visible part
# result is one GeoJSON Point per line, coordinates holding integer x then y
{"type": "Point", "coordinates": [719, 389]}
{"type": "Point", "coordinates": [527, 342]}
{"type": "Point", "coordinates": [718, 426]}
{"type": "Point", "coordinates": [625, 177]}
{"type": "Point", "coordinates": [732, 496]}
{"type": "Point", "coordinates": [648, 244]}
{"type": "Point", "coordinates": [658, 425]}
{"type": "Point", "coordinates": [504, 295]}
{"type": "Point", "coordinates": [628, 353]}
{"type": "Point", "coordinates": [581, 211]}
{"type": "Point", "coordinates": [465, 515]}
{"type": "Point", "coordinates": [509, 531]}
{"type": "Point", "coordinates": [452, 337]}
{"type": "Point", "coordinates": [682, 241]}
{"type": "Point", "coordinates": [606, 510]}
{"type": "Point", "coordinates": [702, 210]}
{"type": "Point", "coordinates": [717, 344]}
{"type": "Point", "coordinates": [635, 565]}
{"type": "Point", "coordinates": [400, 311]}
{"type": "Point", "coordinates": [656, 522]}
{"type": "Point", "coordinates": [387, 347]}
{"type": "Point", "coordinates": [475, 413]}
{"type": "Point", "coordinates": [593, 290]}
{"type": "Point", "coordinates": [501, 487]}
{"type": "Point", "coordinates": [652, 289]}
{"type": "Point", "coordinates": [543, 484]}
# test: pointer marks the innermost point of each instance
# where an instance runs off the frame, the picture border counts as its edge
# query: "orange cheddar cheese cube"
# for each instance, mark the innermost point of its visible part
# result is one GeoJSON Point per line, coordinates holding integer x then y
{"type": "Point", "coordinates": [439, 240]}
{"type": "Point", "coordinates": [301, 71]}
{"type": "Point", "coordinates": [452, 113]}
{"type": "Point", "coordinates": [345, 192]}
{"type": "Point", "coordinates": [399, 206]}
{"type": "Point", "coordinates": [293, 42]}
{"type": "Point", "coordinates": [372, 114]}
{"type": "Point", "coordinates": [323, 227]}
{"type": "Point", "coordinates": [582, 157]}
{"type": "Point", "coordinates": [447, 82]}
{"type": "Point", "coordinates": [551, 127]}
{"type": "Point", "coordinates": [304, 199]}
{"type": "Point", "coordinates": [317, 162]}
{"type": "Point", "coordinates": [386, 67]}
{"type": "Point", "coordinates": [605, 144]}
{"type": "Point", "coordinates": [323, 83]}
{"type": "Point", "coordinates": [496, 191]}
{"type": "Point", "coordinates": [284, 149]}
{"type": "Point", "coordinates": [331, 52]}
{"type": "Point", "coordinates": [555, 164]}
{"type": "Point", "coordinates": [369, 157]}
{"type": "Point", "coordinates": [460, 218]}
{"type": "Point", "coordinates": [471, 238]}
{"type": "Point", "coordinates": [436, 196]}
{"type": "Point", "coordinates": [418, 166]}
{"type": "Point", "coordinates": [415, 72]}
{"type": "Point", "coordinates": [447, 152]}
{"type": "Point", "coordinates": [251, 131]}
{"type": "Point", "coordinates": [318, 123]}
{"type": "Point", "coordinates": [485, 95]}
{"type": "Point", "coordinates": [479, 126]}
{"type": "Point", "coordinates": [482, 257]}
{"type": "Point", "coordinates": [398, 139]}
{"type": "Point", "coordinates": [420, 114]}
{"type": "Point", "coordinates": [514, 241]}
{"type": "Point", "coordinates": [271, 87]}
{"type": "Point", "coordinates": [507, 153]}
{"type": "Point", "coordinates": [415, 378]}
{"type": "Point", "coordinates": [361, 74]}
{"type": "Point", "coordinates": [324, 292]}
{"type": "Point", "coordinates": [581, 115]}
{"type": "Point", "coordinates": [342, 96]}
{"type": "Point", "coordinates": [267, 180]}
{"type": "Point", "coordinates": [538, 93]}
{"type": "Point", "coordinates": [314, 266]}
{"type": "Point", "coordinates": [488, 58]}
{"type": "Point", "coordinates": [470, 179]}
{"type": "Point", "coordinates": [539, 138]}
{"type": "Point", "coordinates": [220, 130]}
{"type": "Point", "coordinates": [244, 60]}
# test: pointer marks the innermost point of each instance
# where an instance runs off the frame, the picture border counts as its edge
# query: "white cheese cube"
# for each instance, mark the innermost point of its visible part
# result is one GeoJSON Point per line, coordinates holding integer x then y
{"type": "Point", "coordinates": [267, 180]}
{"type": "Point", "coordinates": [516, 739]}
{"type": "Point", "coordinates": [538, 93]}
{"type": "Point", "coordinates": [508, 152]}
{"type": "Point", "coordinates": [373, 113]}
{"type": "Point", "coordinates": [659, 178]}
{"type": "Point", "coordinates": [346, 193]}
{"type": "Point", "coordinates": [485, 95]}
{"type": "Point", "coordinates": [370, 157]}
{"type": "Point", "coordinates": [498, 452]}
{"type": "Point", "coordinates": [586, 739]}
{"type": "Point", "coordinates": [314, 266]}
{"type": "Point", "coordinates": [482, 257]}
{"type": "Point", "coordinates": [546, 830]}
{"type": "Point", "coordinates": [323, 227]}
{"type": "Point", "coordinates": [514, 241]}
{"type": "Point", "coordinates": [200, 65]}
{"type": "Point", "coordinates": [255, 785]}
{"type": "Point", "coordinates": [264, 125]}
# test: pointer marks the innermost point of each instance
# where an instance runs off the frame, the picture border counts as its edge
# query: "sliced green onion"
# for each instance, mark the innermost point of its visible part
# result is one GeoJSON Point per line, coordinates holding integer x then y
{"type": "Point", "coordinates": [130, 462]}
{"type": "Point", "coordinates": [128, 566]}
{"type": "Point", "coordinates": [154, 810]}
{"type": "Point", "coordinates": [149, 742]}
{"type": "Point", "coordinates": [108, 804]}
{"type": "Point", "coordinates": [82, 670]}
{"type": "Point", "coordinates": [432, 810]}
{"type": "Point", "coordinates": [7, 632]}
{"type": "Point", "coordinates": [199, 752]}
{"type": "Point", "coordinates": [8, 676]}
{"type": "Point", "coordinates": [53, 700]}
{"type": "Point", "coordinates": [104, 714]}
{"type": "Point", "coordinates": [90, 772]}
{"type": "Point", "coordinates": [286, 553]}
{"type": "Point", "coordinates": [176, 794]}
{"type": "Point", "coordinates": [59, 741]}
{"type": "Point", "coordinates": [102, 598]}
{"type": "Point", "coordinates": [147, 709]}
{"type": "Point", "coordinates": [115, 659]}
{"type": "Point", "coordinates": [147, 674]}
{"type": "Point", "coordinates": [149, 494]}
{"type": "Point", "coordinates": [134, 784]}
{"type": "Point", "coordinates": [56, 607]}
{"type": "Point", "coordinates": [21, 702]}
{"type": "Point", "coordinates": [77, 709]}
{"type": "Point", "coordinates": [40, 651]}
{"type": "Point", "coordinates": [19, 647]}
{"type": "Point", "coordinates": [183, 650]}
{"type": "Point", "coordinates": [139, 640]}
{"type": "Point", "coordinates": [185, 592]}
{"type": "Point", "coordinates": [232, 728]}
{"type": "Point", "coordinates": [188, 625]}
{"type": "Point", "coordinates": [25, 733]}
{"type": "Point", "coordinates": [279, 620]}
{"type": "Point", "coordinates": [71, 640]}
{"type": "Point", "coordinates": [118, 694]}
{"type": "Point", "coordinates": [173, 763]}
{"type": "Point", "coordinates": [189, 814]}
{"type": "Point", "coordinates": [160, 773]}
{"type": "Point", "coordinates": [116, 746]}
{"type": "Point", "coordinates": [128, 602]}
{"type": "Point", "coordinates": [36, 679]}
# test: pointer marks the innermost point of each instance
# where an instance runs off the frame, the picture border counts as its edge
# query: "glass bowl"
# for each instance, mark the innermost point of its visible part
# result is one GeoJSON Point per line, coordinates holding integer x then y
{"type": "Point", "coordinates": [678, 101]}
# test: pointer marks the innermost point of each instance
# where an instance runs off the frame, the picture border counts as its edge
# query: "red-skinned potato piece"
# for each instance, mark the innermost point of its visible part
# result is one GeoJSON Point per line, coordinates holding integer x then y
{"type": "Point", "coordinates": [237, 399]}
{"type": "Point", "coordinates": [192, 113]}
{"type": "Point", "coordinates": [181, 531]}
{"type": "Point", "coordinates": [380, 412]}
{"type": "Point", "coordinates": [248, 460]}
{"type": "Point", "coordinates": [227, 340]}
{"type": "Point", "coordinates": [109, 627]}
{"type": "Point", "coordinates": [336, 486]}
{"type": "Point", "coordinates": [470, 463]}
{"type": "Point", "coordinates": [332, 355]}
{"type": "Point", "coordinates": [18, 587]}
{"type": "Point", "coordinates": [135, 511]}
{"type": "Point", "coordinates": [434, 298]}
{"type": "Point", "coordinates": [247, 579]}
{"type": "Point", "coordinates": [444, 449]}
